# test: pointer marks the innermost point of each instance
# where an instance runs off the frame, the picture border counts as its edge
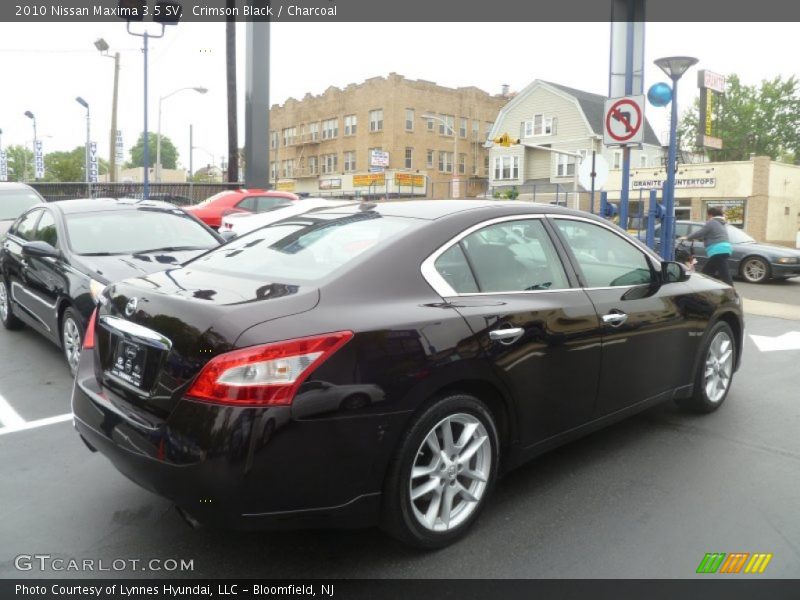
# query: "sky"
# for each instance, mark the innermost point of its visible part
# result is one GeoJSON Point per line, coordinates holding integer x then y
{"type": "Point", "coordinates": [45, 66]}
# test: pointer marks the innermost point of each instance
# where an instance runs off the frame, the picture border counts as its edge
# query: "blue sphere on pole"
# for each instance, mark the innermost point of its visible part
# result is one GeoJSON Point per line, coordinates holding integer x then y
{"type": "Point", "coordinates": [659, 94]}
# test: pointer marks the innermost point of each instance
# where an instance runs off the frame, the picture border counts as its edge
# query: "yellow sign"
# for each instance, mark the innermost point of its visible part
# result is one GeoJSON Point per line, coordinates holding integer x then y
{"type": "Point", "coordinates": [407, 179]}
{"type": "Point", "coordinates": [369, 180]}
{"type": "Point", "coordinates": [285, 186]}
{"type": "Point", "coordinates": [709, 113]}
{"type": "Point", "coordinates": [505, 140]}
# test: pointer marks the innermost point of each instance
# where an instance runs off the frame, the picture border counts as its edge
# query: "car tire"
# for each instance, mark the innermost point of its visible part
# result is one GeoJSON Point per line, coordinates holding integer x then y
{"type": "Point", "coordinates": [7, 317]}
{"type": "Point", "coordinates": [422, 484]}
{"type": "Point", "coordinates": [715, 371]}
{"type": "Point", "coordinates": [71, 338]}
{"type": "Point", "coordinates": [755, 269]}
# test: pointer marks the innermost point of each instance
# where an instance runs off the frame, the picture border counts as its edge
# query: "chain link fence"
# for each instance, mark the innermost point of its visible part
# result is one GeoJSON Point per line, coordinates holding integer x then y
{"type": "Point", "coordinates": [181, 194]}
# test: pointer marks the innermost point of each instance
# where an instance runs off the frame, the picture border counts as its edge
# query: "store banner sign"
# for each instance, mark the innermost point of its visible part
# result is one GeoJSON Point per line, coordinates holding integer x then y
{"type": "Point", "coordinates": [93, 162]}
{"type": "Point", "coordinates": [3, 166]}
{"type": "Point", "coordinates": [119, 148]}
{"type": "Point", "coordinates": [38, 160]}
{"type": "Point", "coordinates": [680, 182]}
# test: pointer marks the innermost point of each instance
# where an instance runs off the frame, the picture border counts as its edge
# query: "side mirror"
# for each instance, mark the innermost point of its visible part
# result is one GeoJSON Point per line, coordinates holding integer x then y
{"type": "Point", "coordinates": [227, 235]}
{"type": "Point", "coordinates": [39, 250]}
{"type": "Point", "coordinates": [673, 272]}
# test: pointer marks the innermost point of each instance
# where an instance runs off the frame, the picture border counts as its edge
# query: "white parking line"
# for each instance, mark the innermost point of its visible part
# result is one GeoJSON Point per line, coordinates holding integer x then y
{"type": "Point", "coordinates": [34, 424]}
{"type": "Point", "coordinates": [8, 416]}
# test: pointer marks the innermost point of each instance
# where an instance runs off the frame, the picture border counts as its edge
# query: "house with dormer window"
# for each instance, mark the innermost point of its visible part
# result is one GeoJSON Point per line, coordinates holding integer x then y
{"type": "Point", "coordinates": [562, 118]}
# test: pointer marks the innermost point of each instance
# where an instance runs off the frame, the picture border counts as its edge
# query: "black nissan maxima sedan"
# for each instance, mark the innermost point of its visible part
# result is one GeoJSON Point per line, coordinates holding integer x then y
{"type": "Point", "coordinates": [57, 257]}
{"type": "Point", "coordinates": [471, 335]}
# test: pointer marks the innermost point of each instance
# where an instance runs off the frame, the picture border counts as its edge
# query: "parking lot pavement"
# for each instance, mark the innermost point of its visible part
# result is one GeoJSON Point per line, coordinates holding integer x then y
{"type": "Point", "coordinates": [645, 498]}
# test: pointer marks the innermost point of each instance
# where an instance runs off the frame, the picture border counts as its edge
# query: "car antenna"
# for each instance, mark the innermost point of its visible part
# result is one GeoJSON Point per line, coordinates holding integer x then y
{"type": "Point", "coordinates": [367, 206]}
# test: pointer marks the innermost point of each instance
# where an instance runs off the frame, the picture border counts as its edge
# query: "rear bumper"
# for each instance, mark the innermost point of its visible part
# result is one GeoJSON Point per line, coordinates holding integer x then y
{"type": "Point", "coordinates": [240, 468]}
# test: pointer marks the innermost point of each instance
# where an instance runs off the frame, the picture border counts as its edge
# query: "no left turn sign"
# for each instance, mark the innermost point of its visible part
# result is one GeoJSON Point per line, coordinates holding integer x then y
{"type": "Point", "coordinates": [624, 120]}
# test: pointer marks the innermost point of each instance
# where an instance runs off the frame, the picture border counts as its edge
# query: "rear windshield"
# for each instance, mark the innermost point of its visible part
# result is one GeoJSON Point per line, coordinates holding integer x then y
{"type": "Point", "coordinates": [306, 247]}
{"type": "Point", "coordinates": [136, 232]}
{"type": "Point", "coordinates": [15, 202]}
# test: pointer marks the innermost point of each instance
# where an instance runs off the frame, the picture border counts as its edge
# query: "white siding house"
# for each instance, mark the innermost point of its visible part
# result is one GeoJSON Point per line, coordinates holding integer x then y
{"type": "Point", "coordinates": [562, 118]}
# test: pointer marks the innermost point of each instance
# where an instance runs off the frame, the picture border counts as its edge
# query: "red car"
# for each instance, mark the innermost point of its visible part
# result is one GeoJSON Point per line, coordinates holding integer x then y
{"type": "Point", "coordinates": [211, 210]}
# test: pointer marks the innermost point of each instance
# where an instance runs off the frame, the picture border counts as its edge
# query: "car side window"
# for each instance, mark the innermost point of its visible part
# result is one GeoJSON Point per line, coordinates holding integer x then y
{"type": "Point", "coordinates": [248, 204]}
{"type": "Point", "coordinates": [512, 256]}
{"type": "Point", "coordinates": [268, 203]}
{"type": "Point", "coordinates": [603, 257]}
{"type": "Point", "coordinates": [46, 230]}
{"type": "Point", "coordinates": [26, 225]}
{"type": "Point", "coordinates": [681, 229]}
{"type": "Point", "coordinates": [452, 265]}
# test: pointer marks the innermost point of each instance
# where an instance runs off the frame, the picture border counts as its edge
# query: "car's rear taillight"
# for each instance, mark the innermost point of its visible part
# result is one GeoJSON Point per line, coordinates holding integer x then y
{"type": "Point", "coordinates": [88, 337]}
{"type": "Point", "coordinates": [265, 375]}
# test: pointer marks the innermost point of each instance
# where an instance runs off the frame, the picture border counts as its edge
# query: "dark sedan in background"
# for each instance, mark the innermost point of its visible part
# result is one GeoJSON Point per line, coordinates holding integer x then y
{"type": "Point", "coordinates": [56, 258]}
{"type": "Point", "coordinates": [755, 262]}
{"type": "Point", "coordinates": [383, 363]}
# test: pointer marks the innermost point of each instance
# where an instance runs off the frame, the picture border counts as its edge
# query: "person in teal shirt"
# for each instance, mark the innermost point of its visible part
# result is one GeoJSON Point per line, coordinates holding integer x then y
{"type": "Point", "coordinates": [714, 235]}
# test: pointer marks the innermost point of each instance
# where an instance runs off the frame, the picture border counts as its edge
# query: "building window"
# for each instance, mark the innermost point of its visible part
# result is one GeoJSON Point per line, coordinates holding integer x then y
{"type": "Point", "coordinates": [273, 170]}
{"type": "Point", "coordinates": [409, 157]}
{"type": "Point", "coordinates": [462, 127]}
{"type": "Point", "coordinates": [350, 161]}
{"type": "Point", "coordinates": [506, 167]}
{"type": "Point", "coordinates": [409, 119]}
{"type": "Point", "coordinates": [330, 163]}
{"type": "Point", "coordinates": [289, 136]}
{"type": "Point", "coordinates": [430, 124]}
{"type": "Point", "coordinates": [476, 127]}
{"type": "Point", "coordinates": [445, 162]}
{"type": "Point", "coordinates": [330, 129]}
{"type": "Point", "coordinates": [376, 120]}
{"type": "Point", "coordinates": [429, 159]}
{"type": "Point", "coordinates": [313, 131]}
{"type": "Point", "coordinates": [313, 165]}
{"type": "Point", "coordinates": [288, 168]}
{"type": "Point", "coordinates": [273, 139]}
{"type": "Point", "coordinates": [565, 165]}
{"type": "Point", "coordinates": [643, 160]}
{"type": "Point", "coordinates": [350, 125]}
{"type": "Point", "coordinates": [540, 125]}
{"type": "Point", "coordinates": [617, 164]}
{"type": "Point", "coordinates": [447, 128]}
{"type": "Point", "coordinates": [486, 165]}
{"type": "Point", "coordinates": [462, 163]}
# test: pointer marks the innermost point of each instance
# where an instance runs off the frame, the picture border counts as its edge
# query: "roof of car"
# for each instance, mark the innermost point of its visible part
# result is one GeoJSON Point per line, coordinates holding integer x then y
{"type": "Point", "coordinates": [82, 205]}
{"type": "Point", "coordinates": [435, 209]}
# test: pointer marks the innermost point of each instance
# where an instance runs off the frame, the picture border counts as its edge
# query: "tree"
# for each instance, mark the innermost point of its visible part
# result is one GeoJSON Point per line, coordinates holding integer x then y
{"type": "Point", "coordinates": [169, 154]}
{"type": "Point", "coordinates": [69, 166]}
{"type": "Point", "coordinates": [20, 163]}
{"type": "Point", "coordinates": [763, 120]}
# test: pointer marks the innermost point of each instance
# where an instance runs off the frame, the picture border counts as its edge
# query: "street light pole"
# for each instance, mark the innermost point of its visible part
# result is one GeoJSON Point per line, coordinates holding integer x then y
{"type": "Point", "coordinates": [674, 67]}
{"type": "Point", "coordinates": [199, 90]}
{"type": "Point", "coordinates": [32, 117]}
{"type": "Point", "coordinates": [87, 160]}
{"type": "Point", "coordinates": [455, 147]}
{"type": "Point", "coordinates": [103, 46]}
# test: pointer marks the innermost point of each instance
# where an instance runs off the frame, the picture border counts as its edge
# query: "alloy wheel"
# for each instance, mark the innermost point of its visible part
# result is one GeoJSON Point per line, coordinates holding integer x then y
{"type": "Point", "coordinates": [719, 367]}
{"type": "Point", "coordinates": [3, 301]}
{"type": "Point", "coordinates": [450, 472]}
{"type": "Point", "coordinates": [754, 270]}
{"type": "Point", "coordinates": [71, 336]}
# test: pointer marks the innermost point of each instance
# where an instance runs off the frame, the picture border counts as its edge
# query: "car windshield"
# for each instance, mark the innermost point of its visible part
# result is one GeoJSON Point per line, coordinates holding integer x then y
{"type": "Point", "coordinates": [307, 247]}
{"type": "Point", "coordinates": [135, 231]}
{"type": "Point", "coordinates": [15, 202]}
{"type": "Point", "coordinates": [737, 236]}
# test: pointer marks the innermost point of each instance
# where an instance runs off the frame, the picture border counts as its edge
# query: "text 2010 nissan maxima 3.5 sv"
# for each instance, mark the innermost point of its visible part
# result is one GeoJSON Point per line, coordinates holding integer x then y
{"type": "Point", "coordinates": [383, 363]}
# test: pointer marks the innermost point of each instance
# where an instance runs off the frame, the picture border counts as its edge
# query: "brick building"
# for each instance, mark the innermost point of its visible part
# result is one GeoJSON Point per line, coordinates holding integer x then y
{"type": "Point", "coordinates": [321, 145]}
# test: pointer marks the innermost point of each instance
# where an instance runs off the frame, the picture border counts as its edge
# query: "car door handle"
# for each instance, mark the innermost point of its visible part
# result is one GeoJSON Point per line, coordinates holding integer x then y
{"type": "Point", "coordinates": [615, 319]}
{"type": "Point", "coordinates": [506, 336]}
